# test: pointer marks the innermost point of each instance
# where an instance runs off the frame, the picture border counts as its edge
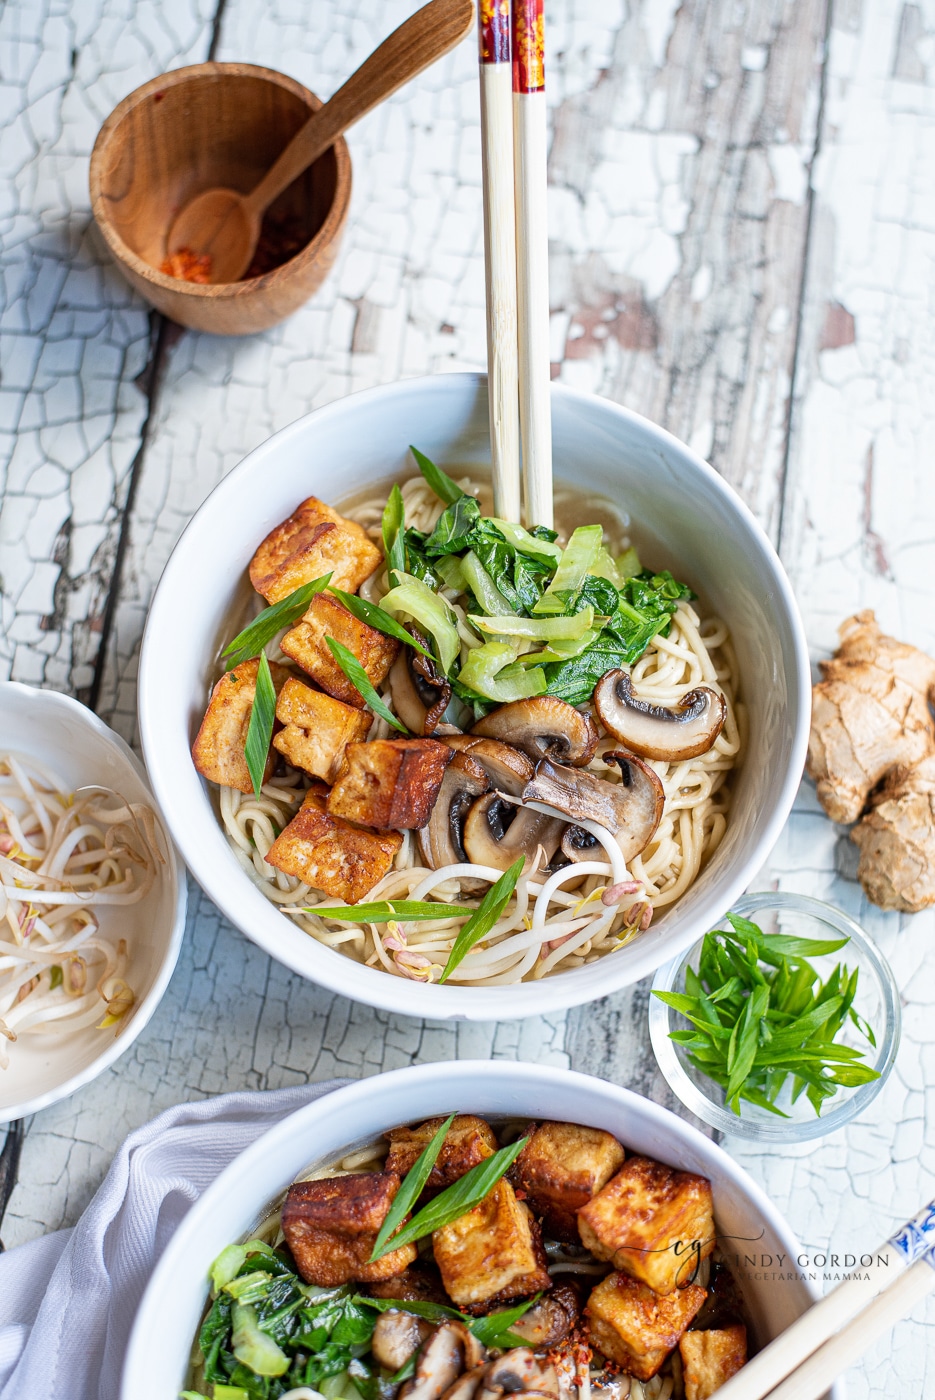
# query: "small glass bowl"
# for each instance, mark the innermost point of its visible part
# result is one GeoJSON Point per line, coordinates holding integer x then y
{"type": "Point", "coordinates": [877, 1001]}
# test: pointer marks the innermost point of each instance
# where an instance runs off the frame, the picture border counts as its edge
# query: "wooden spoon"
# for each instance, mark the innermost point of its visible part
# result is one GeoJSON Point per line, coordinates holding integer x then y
{"type": "Point", "coordinates": [225, 224]}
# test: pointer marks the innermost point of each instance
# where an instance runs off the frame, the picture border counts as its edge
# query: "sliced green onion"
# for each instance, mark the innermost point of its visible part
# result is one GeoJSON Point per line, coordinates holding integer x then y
{"type": "Point", "coordinates": [526, 543]}
{"type": "Point", "coordinates": [394, 533]}
{"type": "Point", "coordinates": [482, 585]}
{"type": "Point", "coordinates": [540, 629]}
{"type": "Point", "coordinates": [377, 618]}
{"type": "Point", "coordinates": [358, 677]}
{"type": "Point", "coordinates": [264, 627]}
{"type": "Point", "coordinates": [463, 1195]}
{"type": "Point", "coordinates": [493, 1330]}
{"type": "Point", "coordinates": [409, 1191]}
{"type": "Point", "coordinates": [260, 730]}
{"type": "Point", "coordinates": [576, 562]}
{"type": "Point", "coordinates": [416, 600]}
{"type": "Point", "coordinates": [484, 917]}
{"type": "Point", "coordinates": [384, 910]}
{"type": "Point", "coordinates": [449, 491]}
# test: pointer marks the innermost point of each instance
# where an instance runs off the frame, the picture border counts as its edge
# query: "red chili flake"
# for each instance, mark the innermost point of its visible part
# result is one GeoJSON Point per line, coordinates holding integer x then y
{"type": "Point", "coordinates": [520, 1194]}
{"type": "Point", "coordinates": [188, 266]}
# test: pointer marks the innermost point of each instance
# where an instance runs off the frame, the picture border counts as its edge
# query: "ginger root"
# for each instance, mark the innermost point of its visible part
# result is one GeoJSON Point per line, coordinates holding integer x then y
{"type": "Point", "coordinates": [871, 725]}
{"type": "Point", "coordinates": [870, 713]}
{"type": "Point", "coordinates": [897, 840]}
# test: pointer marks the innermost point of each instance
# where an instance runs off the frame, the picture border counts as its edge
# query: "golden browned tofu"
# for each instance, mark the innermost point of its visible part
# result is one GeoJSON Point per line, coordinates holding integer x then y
{"type": "Point", "coordinates": [468, 1141]}
{"type": "Point", "coordinates": [315, 540]}
{"type": "Point", "coordinates": [632, 1326]}
{"type": "Point", "coordinates": [326, 617]}
{"type": "Point", "coordinates": [562, 1166]}
{"type": "Point", "coordinates": [317, 729]}
{"type": "Point", "coordinates": [328, 854]}
{"type": "Point", "coordinates": [331, 1225]}
{"type": "Point", "coordinates": [390, 782]}
{"type": "Point", "coordinates": [651, 1221]}
{"type": "Point", "coordinates": [709, 1359]}
{"type": "Point", "coordinates": [492, 1251]}
{"type": "Point", "coordinates": [218, 750]}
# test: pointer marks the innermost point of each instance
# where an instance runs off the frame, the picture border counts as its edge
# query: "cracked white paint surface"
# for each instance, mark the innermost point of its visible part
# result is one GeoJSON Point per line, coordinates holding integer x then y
{"type": "Point", "coordinates": [684, 149]}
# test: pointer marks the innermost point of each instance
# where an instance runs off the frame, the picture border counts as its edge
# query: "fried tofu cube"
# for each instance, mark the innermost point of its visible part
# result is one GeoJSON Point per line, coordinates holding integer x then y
{"type": "Point", "coordinates": [653, 1222]}
{"type": "Point", "coordinates": [326, 617]}
{"type": "Point", "coordinates": [561, 1167]}
{"type": "Point", "coordinates": [328, 854]}
{"type": "Point", "coordinates": [709, 1359]}
{"type": "Point", "coordinates": [317, 729]}
{"type": "Point", "coordinates": [390, 782]}
{"type": "Point", "coordinates": [219, 748]}
{"type": "Point", "coordinates": [635, 1328]}
{"type": "Point", "coordinates": [492, 1251]}
{"type": "Point", "coordinates": [331, 1226]}
{"type": "Point", "coordinates": [468, 1142]}
{"type": "Point", "coordinates": [315, 540]}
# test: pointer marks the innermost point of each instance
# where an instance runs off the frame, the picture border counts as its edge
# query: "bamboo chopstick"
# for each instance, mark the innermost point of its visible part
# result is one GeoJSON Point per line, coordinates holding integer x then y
{"type": "Point", "coordinates": [816, 1374]}
{"type": "Point", "coordinates": [532, 257]}
{"type": "Point", "coordinates": [496, 121]}
{"type": "Point", "coordinates": [831, 1315]}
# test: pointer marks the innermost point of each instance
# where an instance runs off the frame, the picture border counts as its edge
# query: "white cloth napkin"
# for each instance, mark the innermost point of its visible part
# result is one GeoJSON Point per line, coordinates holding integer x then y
{"type": "Point", "coordinates": [68, 1300]}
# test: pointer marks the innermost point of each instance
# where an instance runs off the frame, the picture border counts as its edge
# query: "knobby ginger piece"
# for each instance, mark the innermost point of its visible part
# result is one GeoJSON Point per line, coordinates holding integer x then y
{"type": "Point", "coordinates": [897, 840]}
{"type": "Point", "coordinates": [870, 713]}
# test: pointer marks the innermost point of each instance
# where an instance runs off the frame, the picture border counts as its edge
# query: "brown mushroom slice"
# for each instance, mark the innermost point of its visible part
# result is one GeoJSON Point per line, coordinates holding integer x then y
{"type": "Point", "coordinates": [507, 768]}
{"type": "Point", "coordinates": [396, 1337]}
{"type": "Point", "coordinates": [466, 1386]}
{"type": "Point", "coordinates": [420, 690]}
{"type": "Point", "coordinates": [497, 832]}
{"type": "Point", "coordinates": [543, 727]}
{"type": "Point", "coordinates": [519, 1372]}
{"type": "Point", "coordinates": [630, 810]}
{"type": "Point", "coordinates": [654, 731]}
{"type": "Point", "coordinates": [439, 1365]}
{"type": "Point", "coordinates": [442, 840]}
{"type": "Point", "coordinates": [549, 1321]}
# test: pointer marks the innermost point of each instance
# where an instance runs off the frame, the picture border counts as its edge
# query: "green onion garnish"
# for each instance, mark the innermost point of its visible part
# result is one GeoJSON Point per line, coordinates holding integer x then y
{"type": "Point", "coordinates": [449, 491]}
{"type": "Point", "coordinates": [358, 677]}
{"type": "Point", "coordinates": [409, 1191]}
{"type": "Point", "coordinates": [254, 637]}
{"type": "Point", "coordinates": [384, 910]}
{"type": "Point", "coordinates": [484, 917]}
{"type": "Point", "coordinates": [394, 533]}
{"type": "Point", "coordinates": [456, 1200]}
{"type": "Point", "coordinates": [377, 618]}
{"type": "Point", "coordinates": [260, 730]}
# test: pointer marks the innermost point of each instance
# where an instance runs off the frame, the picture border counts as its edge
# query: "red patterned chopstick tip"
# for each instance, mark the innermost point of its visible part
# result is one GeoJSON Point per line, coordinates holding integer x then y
{"type": "Point", "coordinates": [528, 45]}
{"type": "Point", "coordinates": [493, 25]}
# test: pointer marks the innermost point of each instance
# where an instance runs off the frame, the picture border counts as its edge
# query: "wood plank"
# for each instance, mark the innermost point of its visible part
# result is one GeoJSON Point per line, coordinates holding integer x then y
{"type": "Point", "coordinates": [75, 340]}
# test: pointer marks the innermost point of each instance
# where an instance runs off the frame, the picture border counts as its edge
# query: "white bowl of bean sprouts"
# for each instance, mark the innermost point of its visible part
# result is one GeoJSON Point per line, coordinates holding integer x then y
{"type": "Point", "coordinates": [92, 899]}
{"type": "Point", "coordinates": [591, 912]}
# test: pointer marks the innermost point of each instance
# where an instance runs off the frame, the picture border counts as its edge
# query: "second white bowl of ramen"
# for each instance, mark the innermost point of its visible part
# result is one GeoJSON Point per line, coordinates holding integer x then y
{"type": "Point", "coordinates": [676, 509]}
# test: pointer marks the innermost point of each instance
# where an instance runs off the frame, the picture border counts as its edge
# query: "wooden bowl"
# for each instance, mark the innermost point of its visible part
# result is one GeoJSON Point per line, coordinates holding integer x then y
{"type": "Point", "coordinates": [215, 124]}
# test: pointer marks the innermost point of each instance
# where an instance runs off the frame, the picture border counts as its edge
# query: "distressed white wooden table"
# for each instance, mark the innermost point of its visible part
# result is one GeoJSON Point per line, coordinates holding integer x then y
{"type": "Point", "coordinates": [742, 224]}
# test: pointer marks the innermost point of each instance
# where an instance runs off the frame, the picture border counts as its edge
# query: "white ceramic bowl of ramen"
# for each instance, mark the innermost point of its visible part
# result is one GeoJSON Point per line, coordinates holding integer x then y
{"type": "Point", "coordinates": [682, 515]}
{"type": "Point", "coordinates": [752, 1234]}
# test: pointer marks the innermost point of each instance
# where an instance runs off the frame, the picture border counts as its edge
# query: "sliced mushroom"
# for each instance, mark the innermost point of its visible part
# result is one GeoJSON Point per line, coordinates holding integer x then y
{"type": "Point", "coordinates": [507, 768]}
{"type": "Point", "coordinates": [442, 840]}
{"type": "Point", "coordinates": [518, 1372]}
{"type": "Point", "coordinates": [497, 832]}
{"type": "Point", "coordinates": [397, 1336]}
{"type": "Point", "coordinates": [440, 1363]}
{"type": "Point", "coordinates": [551, 1319]}
{"type": "Point", "coordinates": [420, 691]}
{"type": "Point", "coordinates": [466, 1386]}
{"type": "Point", "coordinates": [631, 810]}
{"type": "Point", "coordinates": [543, 727]}
{"type": "Point", "coordinates": [474, 1351]}
{"type": "Point", "coordinates": [685, 731]}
